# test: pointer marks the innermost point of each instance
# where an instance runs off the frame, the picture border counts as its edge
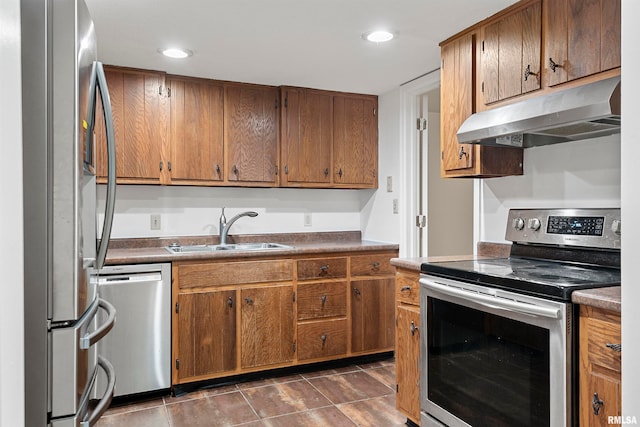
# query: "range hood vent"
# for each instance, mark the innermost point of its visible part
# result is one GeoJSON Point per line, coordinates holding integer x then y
{"type": "Point", "coordinates": [581, 112]}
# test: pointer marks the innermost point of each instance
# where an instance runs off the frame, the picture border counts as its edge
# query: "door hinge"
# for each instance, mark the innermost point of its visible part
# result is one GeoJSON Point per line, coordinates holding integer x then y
{"type": "Point", "coordinates": [276, 104]}
{"type": "Point", "coordinates": [177, 364]}
{"type": "Point", "coordinates": [294, 296]}
{"type": "Point", "coordinates": [295, 347]}
{"type": "Point", "coordinates": [483, 45]}
{"type": "Point", "coordinates": [421, 123]}
{"type": "Point", "coordinates": [442, 155]}
{"type": "Point", "coordinates": [421, 221]}
{"type": "Point", "coordinates": [168, 92]}
{"type": "Point", "coordinates": [482, 87]}
{"type": "Point", "coordinates": [177, 307]}
{"type": "Point", "coordinates": [286, 102]}
{"type": "Point", "coordinates": [396, 388]}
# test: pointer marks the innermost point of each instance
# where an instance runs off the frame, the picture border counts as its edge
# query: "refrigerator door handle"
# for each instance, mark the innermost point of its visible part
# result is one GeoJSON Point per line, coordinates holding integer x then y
{"type": "Point", "coordinates": [111, 161]}
{"type": "Point", "coordinates": [104, 403]}
{"type": "Point", "coordinates": [90, 339]}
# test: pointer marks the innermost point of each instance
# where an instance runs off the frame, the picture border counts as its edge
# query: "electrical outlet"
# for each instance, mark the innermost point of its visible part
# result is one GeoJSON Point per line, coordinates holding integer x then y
{"type": "Point", "coordinates": [395, 206]}
{"type": "Point", "coordinates": [307, 220]}
{"type": "Point", "coordinates": [389, 184]}
{"type": "Point", "coordinates": [155, 222]}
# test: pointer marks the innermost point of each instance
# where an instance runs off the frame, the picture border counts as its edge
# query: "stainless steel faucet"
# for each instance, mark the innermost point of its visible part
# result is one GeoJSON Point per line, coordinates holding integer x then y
{"type": "Point", "coordinates": [225, 226]}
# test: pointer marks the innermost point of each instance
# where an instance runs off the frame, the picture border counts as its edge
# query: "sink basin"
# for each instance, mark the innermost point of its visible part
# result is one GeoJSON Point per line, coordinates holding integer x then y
{"type": "Point", "coordinates": [178, 249]}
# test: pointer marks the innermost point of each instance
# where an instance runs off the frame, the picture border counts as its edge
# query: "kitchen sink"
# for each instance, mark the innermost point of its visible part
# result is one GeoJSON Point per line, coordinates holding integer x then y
{"type": "Point", "coordinates": [186, 249]}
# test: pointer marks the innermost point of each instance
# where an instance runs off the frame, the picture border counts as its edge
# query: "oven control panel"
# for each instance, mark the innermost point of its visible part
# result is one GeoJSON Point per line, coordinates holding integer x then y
{"type": "Point", "coordinates": [592, 228]}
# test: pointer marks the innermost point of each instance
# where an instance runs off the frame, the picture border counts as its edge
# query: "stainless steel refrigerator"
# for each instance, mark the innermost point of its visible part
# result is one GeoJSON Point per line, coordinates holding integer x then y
{"type": "Point", "coordinates": [61, 79]}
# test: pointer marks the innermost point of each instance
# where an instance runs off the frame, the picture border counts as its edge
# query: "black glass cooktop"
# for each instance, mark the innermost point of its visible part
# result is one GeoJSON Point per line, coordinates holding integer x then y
{"type": "Point", "coordinates": [537, 277]}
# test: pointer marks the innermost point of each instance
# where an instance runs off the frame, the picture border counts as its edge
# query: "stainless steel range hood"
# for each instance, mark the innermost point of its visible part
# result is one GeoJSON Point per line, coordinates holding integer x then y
{"type": "Point", "coordinates": [582, 112]}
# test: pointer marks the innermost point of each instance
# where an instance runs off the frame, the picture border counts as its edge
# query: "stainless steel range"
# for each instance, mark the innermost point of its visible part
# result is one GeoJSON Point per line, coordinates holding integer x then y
{"type": "Point", "coordinates": [500, 346]}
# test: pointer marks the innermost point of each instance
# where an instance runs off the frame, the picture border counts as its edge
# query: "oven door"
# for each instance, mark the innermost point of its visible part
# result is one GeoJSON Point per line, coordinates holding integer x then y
{"type": "Point", "coordinates": [493, 358]}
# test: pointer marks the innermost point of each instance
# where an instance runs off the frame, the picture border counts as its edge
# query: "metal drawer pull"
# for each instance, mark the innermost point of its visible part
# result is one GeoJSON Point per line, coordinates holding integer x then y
{"type": "Point", "coordinates": [375, 265]}
{"type": "Point", "coordinates": [413, 328]}
{"type": "Point", "coordinates": [323, 338]}
{"type": "Point", "coordinates": [596, 404]}
{"type": "Point", "coordinates": [324, 299]}
{"type": "Point", "coordinates": [553, 65]}
{"type": "Point", "coordinates": [356, 291]}
{"type": "Point", "coordinates": [615, 347]}
{"type": "Point", "coordinates": [324, 269]}
{"type": "Point", "coordinates": [230, 302]}
{"type": "Point", "coordinates": [405, 288]}
{"type": "Point", "coordinates": [528, 73]}
{"type": "Point", "coordinates": [248, 300]}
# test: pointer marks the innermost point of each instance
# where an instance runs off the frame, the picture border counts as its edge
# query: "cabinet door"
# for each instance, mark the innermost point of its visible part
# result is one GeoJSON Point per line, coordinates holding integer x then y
{"type": "Point", "coordinates": [408, 361]}
{"type": "Point", "coordinates": [266, 325]}
{"type": "Point", "coordinates": [307, 123]}
{"type": "Point", "coordinates": [206, 334]}
{"type": "Point", "coordinates": [355, 141]}
{"type": "Point", "coordinates": [456, 102]}
{"type": "Point", "coordinates": [140, 115]}
{"type": "Point", "coordinates": [511, 54]}
{"type": "Point", "coordinates": [372, 314]}
{"type": "Point", "coordinates": [251, 134]}
{"type": "Point", "coordinates": [196, 131]}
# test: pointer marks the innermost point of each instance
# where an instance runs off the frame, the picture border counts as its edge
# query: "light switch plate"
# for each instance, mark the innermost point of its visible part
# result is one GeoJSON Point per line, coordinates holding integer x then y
{"type": "Point", "coordinates": [155, 222]}
{"type": "Point", "coordinates": [307, 220]}
{"type": "Point", "coordinates": [395, 206]}
{"type": "Point", "coordinates": [389, 184]}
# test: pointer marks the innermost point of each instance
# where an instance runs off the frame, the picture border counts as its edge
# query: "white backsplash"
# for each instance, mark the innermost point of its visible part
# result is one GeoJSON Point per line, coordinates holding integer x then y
{"type": "Point", "coordinates": [579, 174]}
{"type": "Point", "coordinates": [188, 211]}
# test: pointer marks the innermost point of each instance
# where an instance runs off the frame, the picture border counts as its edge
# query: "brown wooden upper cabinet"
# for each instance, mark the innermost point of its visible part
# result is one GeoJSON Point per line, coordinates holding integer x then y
{"type": "Point", "coordinates": [196, 131]}
{"type": "Point", "coordinates": [511, 54]}
{"type": "Point", "coordinates": [307, 135]}
{"type": "Point", "coordinates": [582, 38]}
{"type": "Point", "coordinates": [251, 134]}
{"type": "Point", "coordinates": [141, 116]}
{"type": "Point", "coordinates": [355, 141]}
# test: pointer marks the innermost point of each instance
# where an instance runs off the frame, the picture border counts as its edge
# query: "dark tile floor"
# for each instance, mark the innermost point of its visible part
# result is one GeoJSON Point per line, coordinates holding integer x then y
{"type": "Point", "coordinates": [355, 395]}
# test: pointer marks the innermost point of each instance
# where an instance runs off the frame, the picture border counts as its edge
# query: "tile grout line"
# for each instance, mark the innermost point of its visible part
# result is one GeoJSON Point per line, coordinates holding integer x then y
{"type": "Point", "coordinates": [332, 403]}
{"type": "Point", "coordinates": [250, 405]}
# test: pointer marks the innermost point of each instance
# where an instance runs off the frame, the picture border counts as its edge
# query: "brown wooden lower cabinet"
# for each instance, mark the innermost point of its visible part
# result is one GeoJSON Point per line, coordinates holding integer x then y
{"type": "Point", "coordinates": [372, 315]}
{"type": "Point", "coordinates": [408, 343]}
{"type": "Point", "coordinates": [600, 366]}
{"type": "Point", "coordinates": [246, 315]}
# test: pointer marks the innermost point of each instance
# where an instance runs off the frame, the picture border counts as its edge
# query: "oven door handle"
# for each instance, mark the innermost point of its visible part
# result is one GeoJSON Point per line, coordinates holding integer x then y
{"type": "Point", "coordinates": [493, 302]}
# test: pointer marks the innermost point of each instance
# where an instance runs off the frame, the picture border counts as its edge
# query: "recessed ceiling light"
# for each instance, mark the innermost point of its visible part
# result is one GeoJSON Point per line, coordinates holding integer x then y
{"type": "Point", "coordinates": [378, 36]}
{"type": "Point", "coordinates": [176, 53]}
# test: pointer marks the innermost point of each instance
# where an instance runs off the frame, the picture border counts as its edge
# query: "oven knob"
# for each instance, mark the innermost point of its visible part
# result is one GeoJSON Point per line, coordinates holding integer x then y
{"type": "Point", "coordinates": [518, 223]}
{"type": "Point", "coordinates": [534, 224]}
{"type": "Point", "coordinates": [616, 226]}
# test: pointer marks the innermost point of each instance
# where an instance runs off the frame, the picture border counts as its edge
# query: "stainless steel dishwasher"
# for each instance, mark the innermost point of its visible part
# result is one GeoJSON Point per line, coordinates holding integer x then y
{"type": "Point", "coordinates": [139, 345]}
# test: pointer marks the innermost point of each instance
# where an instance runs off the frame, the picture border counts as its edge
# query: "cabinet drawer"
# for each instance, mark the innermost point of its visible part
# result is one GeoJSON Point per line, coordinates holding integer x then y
{"type": "Point", "coordinates": [371, 265]}
{"type": "Point", "coordinates": [408, 288]}
{"type": "Point", "coordinates": [234, 273]}
{"type": "Point", "coordinates": [322, 339]}
{"type": "Point", "coordinates": [317, 300]}
{"type": "Point", "coordinates": [322, 268]}
{"type": "Point", "coordinates": [603, 328]}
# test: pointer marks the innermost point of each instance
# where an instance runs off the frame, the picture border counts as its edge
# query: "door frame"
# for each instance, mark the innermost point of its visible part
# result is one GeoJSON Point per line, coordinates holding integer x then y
{"type": "Point", "coordinates": [409, 93]}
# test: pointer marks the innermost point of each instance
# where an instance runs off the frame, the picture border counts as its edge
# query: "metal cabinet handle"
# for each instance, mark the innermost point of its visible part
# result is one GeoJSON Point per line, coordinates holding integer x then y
{"type": "Point", "coordinates": [326, 172]}
{"type": "Point", "coordinates": [169, 166]}
{"type": "Point", "coordinates": [375, 265]}
{"type": "Point", "coordinates": [324, 269]}
{"type": "Point", "coordinates": [324, 299]}
{"type": "Point", "coordinates": [596, 404]}
{"type": "Point", "coordinates": [323, 338]}
{"type": "Point", "coordinates": [356, 291]}
{"type": "Point", "coordinates": [218, 169]}
{"type": "Point", "coordinates": [340, 173]}
{"type": "Point", "coordinates": [528, 73]}
{"type": "Point", "coordinates": [235, 170]}
{"type": "Point", "coordinates": [161, 164]}
{"type": "Point", "coordinates": [405, 288]}
{"type": "Point", "coordinates": [462, 153]}
{"type": "Point", "coordinates": [615, 347]}
{"type": "Point", "coordinates": [413, 328]}
{"type": "Point", "coordinates": [230, 302]}
{"type": "Point", "coordinates": [553, 65]}
{"type": "Point", "coordinates": [248, 300]}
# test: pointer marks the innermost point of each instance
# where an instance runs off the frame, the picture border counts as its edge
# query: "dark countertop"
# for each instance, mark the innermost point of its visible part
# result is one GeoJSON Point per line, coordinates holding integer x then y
{"type": "Point", "coordinates": [137, 251]}
{"type": "Point", "coordinates": [606, 298]}
{"type": "Point", "coordinates": [485, 250]}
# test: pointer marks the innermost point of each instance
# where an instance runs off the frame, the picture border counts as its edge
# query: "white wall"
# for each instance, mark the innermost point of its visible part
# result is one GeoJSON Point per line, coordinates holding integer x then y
{"type": "Point", "coordinates": [11, 258]}
{"type": "Point", "coordinates": [572, 174]}
{"type": "Point", "coordinates": [630, 211]}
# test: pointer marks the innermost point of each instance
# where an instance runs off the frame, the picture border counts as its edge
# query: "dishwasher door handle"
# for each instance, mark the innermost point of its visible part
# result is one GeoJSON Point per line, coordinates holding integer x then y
{"type": "Point", "coordinates": [129, 278]}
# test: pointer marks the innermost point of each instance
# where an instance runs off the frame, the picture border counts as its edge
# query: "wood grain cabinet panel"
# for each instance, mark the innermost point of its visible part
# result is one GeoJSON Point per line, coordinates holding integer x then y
{"type": "Point", "coordinates": [408, 287]}
{"type": "Point", "coordinates": [318, 340]}
{"type": "Point", "coordinates": [408, 361]}
{"type": "Point", "coordinates": [355, 141]}
{"type": "Point", "coordinates": [322, 268]}
{"type": "Point", "coordinates": [307, 136]}
{"type": "Point", "coordinates": [582, 38]}
{"type": "Point", "coordinates": [371, 265]}
{"type": "Point", "coordinates": [372, 315]}
{"type": "Point", "coordinates": [207, 340]}
{"type": "Point", "coordinates": [141, 118]}
{"type": "Point", "coordinates": [234, 273]}
{"type": "Point", "coordinates": [251, 134]}
{"type": "Point", "coordinates": [267, 321]}
{"type": "Point", "coordinates": [196, 138]}
{"type": "Point", "coordinates": [600, 366]}
{"type": "Point", "coordinates": [323, 299]}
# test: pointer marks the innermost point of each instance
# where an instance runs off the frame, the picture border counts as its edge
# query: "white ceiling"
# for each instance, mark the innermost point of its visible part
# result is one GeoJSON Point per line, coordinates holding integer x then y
{"type": "Point", "coordinates": [308, 43]}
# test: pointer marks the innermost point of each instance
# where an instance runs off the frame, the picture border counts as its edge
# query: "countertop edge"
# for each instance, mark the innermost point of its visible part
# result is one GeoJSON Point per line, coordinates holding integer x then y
{"type": "Point", "coordinates": [608, 298]}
